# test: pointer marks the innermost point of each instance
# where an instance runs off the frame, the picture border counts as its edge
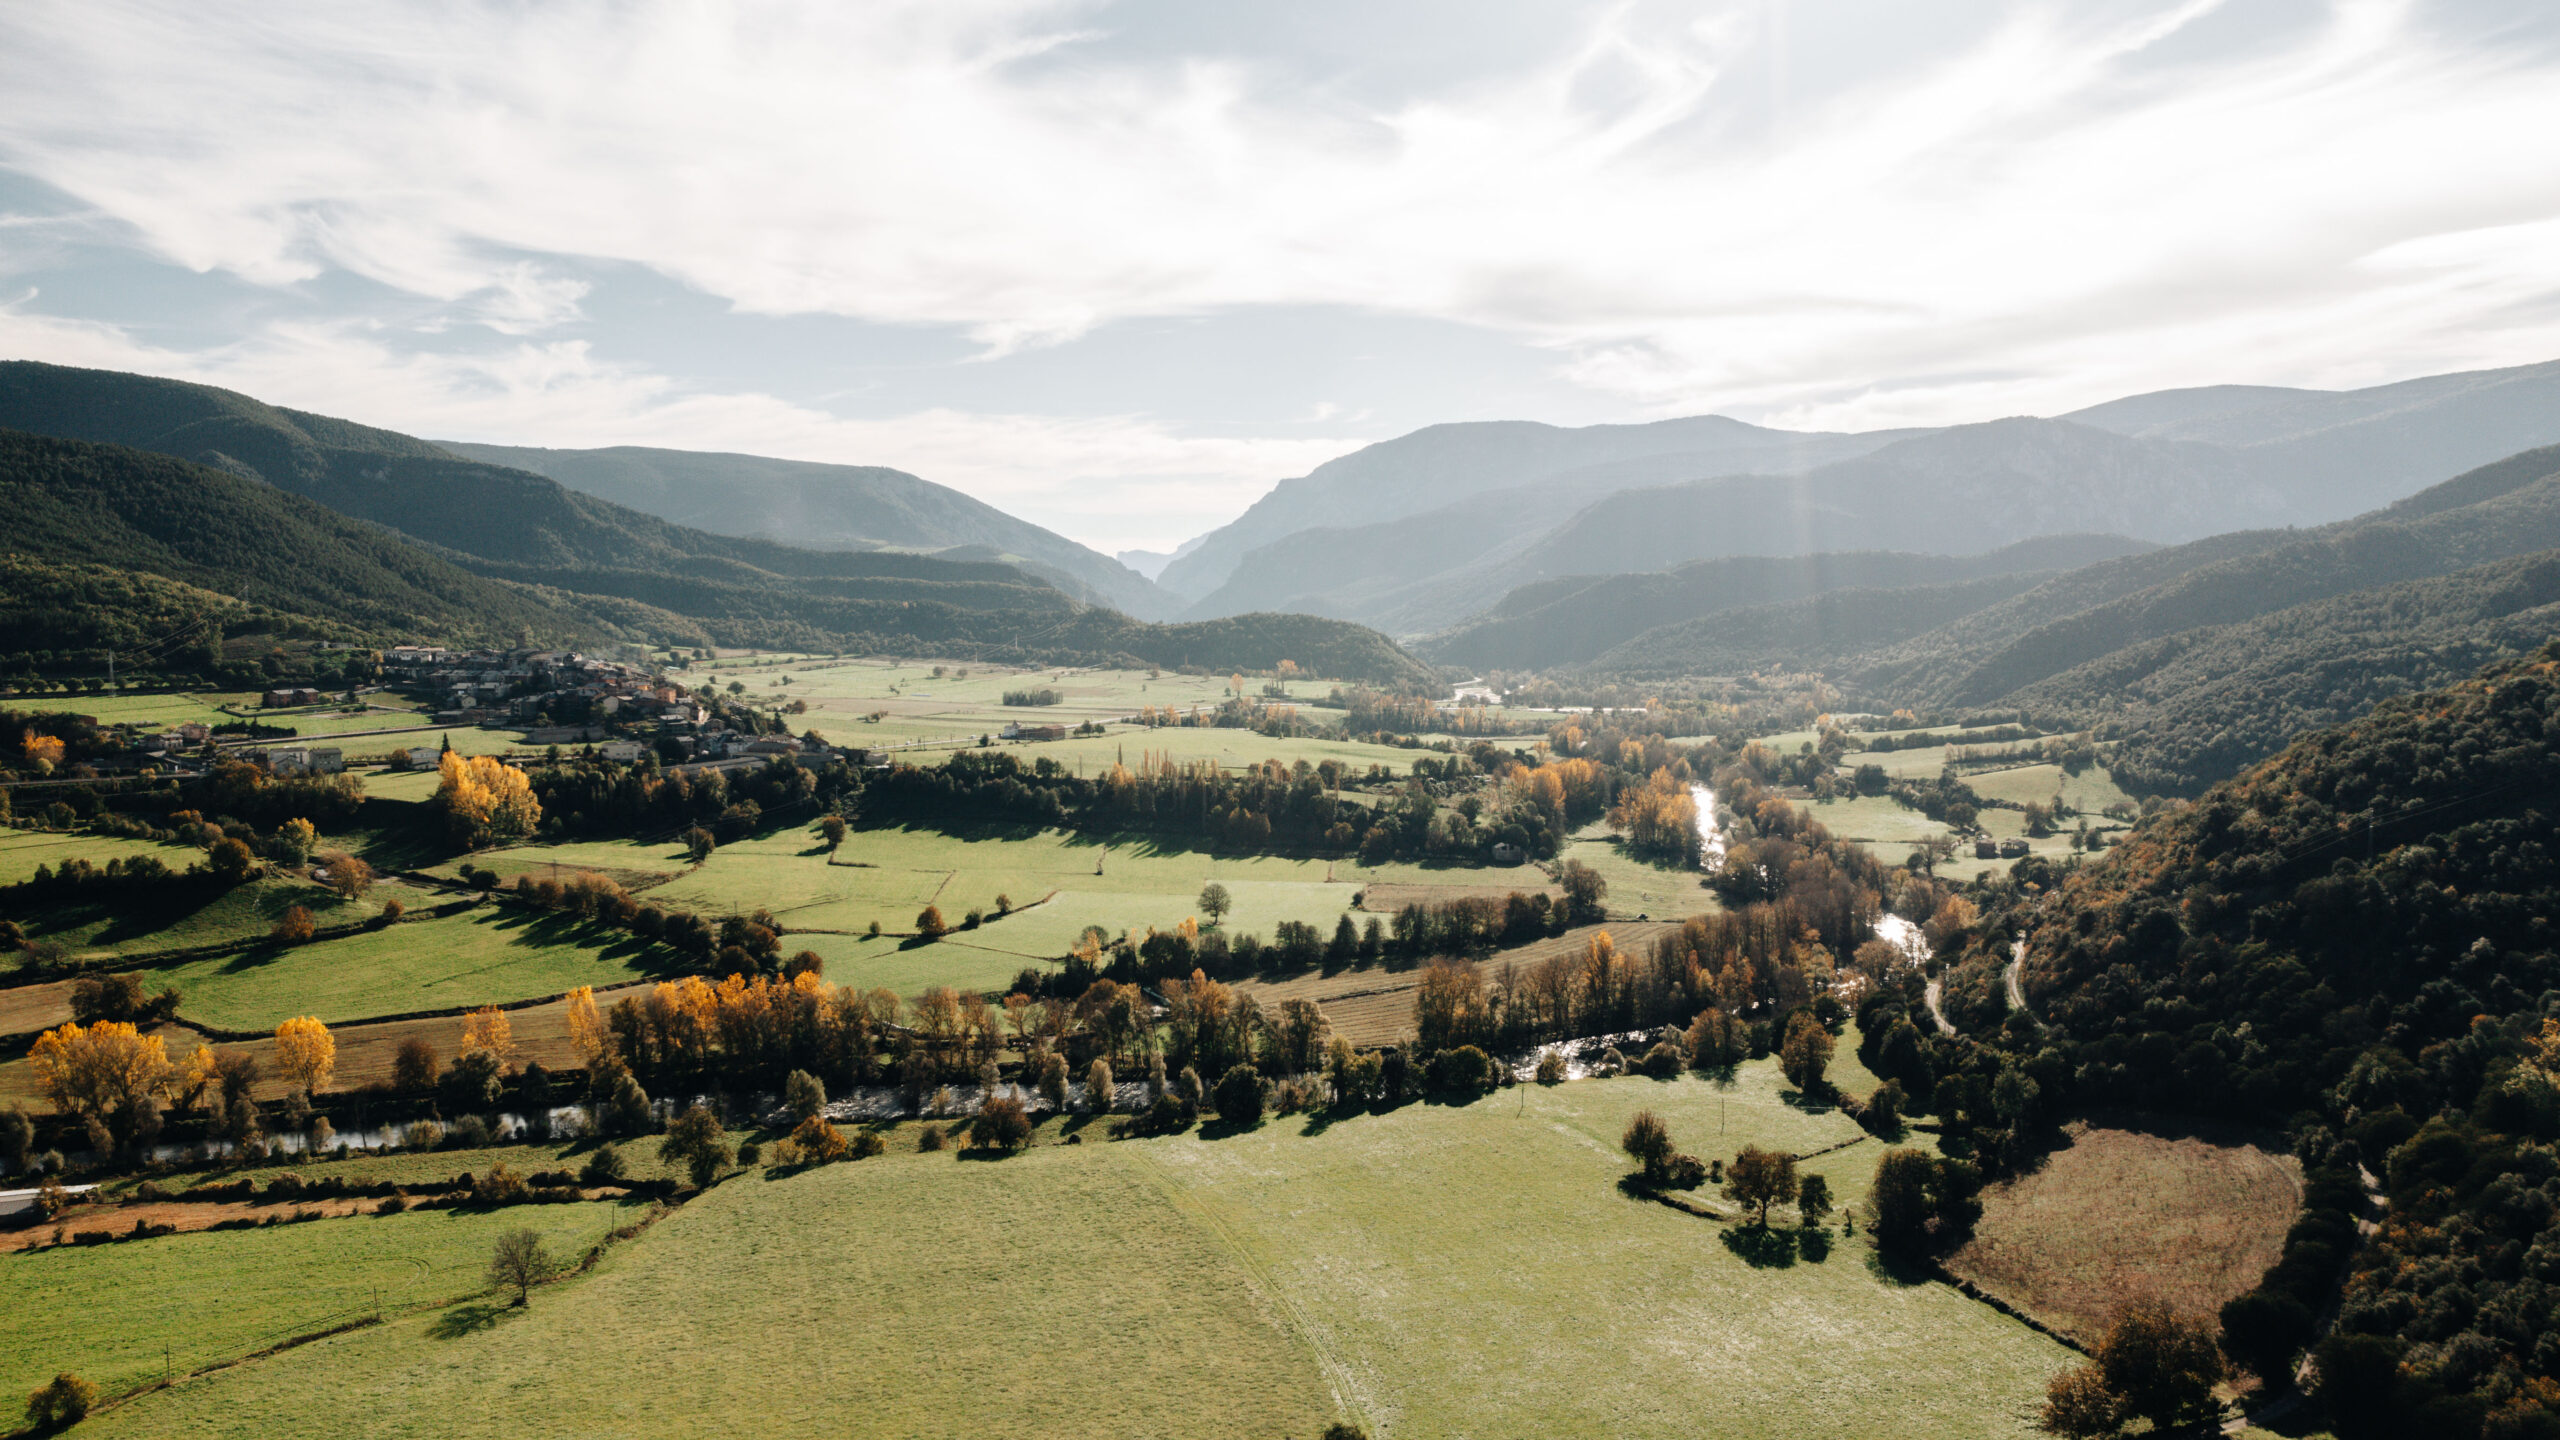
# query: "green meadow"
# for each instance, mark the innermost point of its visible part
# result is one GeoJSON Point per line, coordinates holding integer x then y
{"type": "Point", "coordinates": [1432, 1271]}
{"type": "Point", "coordinates": [485, 956]}
{"type": "Point", "coordinates": [199, 1299]}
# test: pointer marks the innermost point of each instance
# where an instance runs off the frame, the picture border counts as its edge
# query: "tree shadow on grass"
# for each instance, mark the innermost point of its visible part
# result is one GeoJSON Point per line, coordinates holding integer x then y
{"type": "Point", "coordinates": [467, 1319]}
{"type": "Point", "coordinates": [1895, 1268]}
{"type": "Point", "coordinates": [1760, 1246]}
{"type": "Point", "coordinates": [1814, 1244]}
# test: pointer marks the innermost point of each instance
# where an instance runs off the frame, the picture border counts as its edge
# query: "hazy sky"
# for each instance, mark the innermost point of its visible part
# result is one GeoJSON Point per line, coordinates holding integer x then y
{"type": "Point", "coordinates": [1117, 267]}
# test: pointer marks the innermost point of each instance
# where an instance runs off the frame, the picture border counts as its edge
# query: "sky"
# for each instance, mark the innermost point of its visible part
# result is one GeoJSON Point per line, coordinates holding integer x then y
{"type": "Point", "coordinates": [1119, 267]}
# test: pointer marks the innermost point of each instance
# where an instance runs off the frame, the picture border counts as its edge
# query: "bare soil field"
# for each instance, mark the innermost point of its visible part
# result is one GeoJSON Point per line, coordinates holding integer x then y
{"type": "Point", "coordinates": [26, 1009]}
{"type": "Point", "coordinates": [2127, 1214]}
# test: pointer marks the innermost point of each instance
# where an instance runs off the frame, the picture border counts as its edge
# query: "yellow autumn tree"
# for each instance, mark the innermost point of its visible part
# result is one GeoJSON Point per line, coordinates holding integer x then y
{"type": "Point", "coordinates": [97, 1072]}
{"type": "Point", "coordinates": [485, 801]}
{"type": "Point", "coordinates": [43, 752]}
{"type": "Point", "coordinates": [306, 1053]}
{"type": "Point", "coordinates": [586, 1026]}
{"type": "Point", "coordinates": [487, 1028]}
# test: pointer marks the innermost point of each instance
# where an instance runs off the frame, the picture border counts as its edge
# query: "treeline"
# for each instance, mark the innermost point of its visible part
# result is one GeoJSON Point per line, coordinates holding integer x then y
{"type": "Point", "coordinates": [2348, 939]}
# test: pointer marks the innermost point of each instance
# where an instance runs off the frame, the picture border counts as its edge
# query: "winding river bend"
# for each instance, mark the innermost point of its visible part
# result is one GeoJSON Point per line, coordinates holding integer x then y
{"type": "Point", "coordinates": [1904, 935]}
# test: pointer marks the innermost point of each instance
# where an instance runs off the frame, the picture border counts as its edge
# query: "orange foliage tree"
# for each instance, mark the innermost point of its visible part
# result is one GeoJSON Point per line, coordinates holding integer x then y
{"type": "Point", "coordinates": [306, 1054]}
{"type": "Point", "coordinates": [99, 1072]}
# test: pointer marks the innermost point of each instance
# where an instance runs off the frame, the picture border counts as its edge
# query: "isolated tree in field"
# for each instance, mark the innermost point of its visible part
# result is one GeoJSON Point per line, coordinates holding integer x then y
{"type": "Point", "coordinates": [413, 1067]}
{"type": "Point", "coordinates": [930, 924]}
{"type": "Point", "coordinates": [488, 1029]}
{"type": "Point", "coordinates": [604, 1167]}
{"type": "Point", "coordinates": [1813, 1200]}
{"type": "Point", "coordinates": [804, 1095]}
{"type": "Point", "coordinates": [1806, 1054]}
{"type": "Point", "coordinates": [66, 1400]}
{"type": "Point", "coordinates": [699, 843]}
{"type": "Point", "coordinates": [697, 1142]}
{"type": "Point", "coordinates": [1099, 1085]}
{"type": "Point", "coordinates": [1215, 902]}
{"type": "Point", "coordinates": [306, 1054]}
{"type": "Point", "coordinates": [832, 830]}
{"type": "Point", "coordinates": [1239, 1097]}
{"type": "Point", "coordinates": [485, 801]}
{"type": "Point", "coordinates": [230, 863]}
{"type": "Point", "coordinates": [293, 927]}
{"type": "Point", "coordinates": [1758, 1179]}
{"type": "Point", "coordinates": [519, 1263]}
{"type": "Point", "coordinates": [1648, 1142]}
{"type": "Point", "coordinates": [2079, 1406]}
{"type": "Point", "coordinates": [1900, 1197]}
{"type": "Point", "coordinates": [1003, 1123]}
{"type": "Point", "coordinates": [101, 1071]}
{"type": "Point", "coordinates": [349, 876]}
{"type": "Point", "coordinates": [819, 1142]}
{"type": "Point", "coordinates": [587, 1029]}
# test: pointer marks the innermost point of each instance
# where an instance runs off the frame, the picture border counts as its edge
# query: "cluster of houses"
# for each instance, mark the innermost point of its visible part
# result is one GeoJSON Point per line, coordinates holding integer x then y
{"type": "Point", "coordinates": [524, 687]}
{"type": "Point", "coordinates": [284, 697]}
{"type": "Point", "coordinates": [1986, 848]}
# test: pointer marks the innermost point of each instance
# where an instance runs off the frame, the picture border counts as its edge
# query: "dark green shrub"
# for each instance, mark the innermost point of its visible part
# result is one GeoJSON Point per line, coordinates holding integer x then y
{"type": "Point", "coordinates": [1239, 1097]}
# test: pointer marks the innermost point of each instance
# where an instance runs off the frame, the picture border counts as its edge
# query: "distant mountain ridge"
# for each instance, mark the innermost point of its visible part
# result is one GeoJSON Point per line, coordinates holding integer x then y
{"type": "Point", "coordinates": [623, 573]}
{"type": "Point", "coordinates": [1570, 620]}
{"type": "Point", "coordinates": [1417, 534]}
{"type": "Point", "coordinates": [828, 507]}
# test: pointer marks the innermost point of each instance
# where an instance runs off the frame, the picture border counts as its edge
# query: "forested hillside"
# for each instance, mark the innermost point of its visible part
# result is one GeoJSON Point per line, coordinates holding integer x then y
{"type": "Point", "coordinates": [2351, 939]}
{"type": "Point", "coordinates": [67, 504]}
{"type": "Point", "coordinates": [1569, 619]}
{"type": "Point", "coordinates": [585, 568]}
{"type": "Point", "coordinates": [2198, 705]}
{"type": "Point", "coordinates": [826, 507]}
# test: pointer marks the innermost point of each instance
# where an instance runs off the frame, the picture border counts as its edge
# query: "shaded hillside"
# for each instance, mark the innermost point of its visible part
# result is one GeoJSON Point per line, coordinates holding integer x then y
{"type": "Point", "coordinates": [1569, 619]}
{"type": "Point", "coordinates": [2510, 508]}
{"type": "Point", "coordinates": [69, 503]}
{"type": "Point", "coordinates": [2351, 940]}
{"type": "Point", "coordinates": [2198, 705]}
{"type": "Point", "coordinates": [616, 567]}
{"type": "Point", "coordinates": [1443, 464]}
{"type": "Point", "coordinates": [826, 507]}
{"type": "Point", "coordinates": [1951, 492]}
{"type": "Point", "coordinates": [1816, 633]}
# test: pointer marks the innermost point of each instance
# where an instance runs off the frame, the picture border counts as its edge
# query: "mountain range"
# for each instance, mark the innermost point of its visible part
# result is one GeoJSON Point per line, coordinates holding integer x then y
{"type": "Point", "coordinates": [1419, 533]}
{"type": "Point", "coordinates": [569, 566]}
{"type": "Point", "coordinates": [829, 507]}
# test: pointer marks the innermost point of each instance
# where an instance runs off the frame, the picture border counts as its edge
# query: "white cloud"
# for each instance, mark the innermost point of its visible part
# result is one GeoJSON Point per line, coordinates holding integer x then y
{"type": "Point", "coordinates": [2034, 206]}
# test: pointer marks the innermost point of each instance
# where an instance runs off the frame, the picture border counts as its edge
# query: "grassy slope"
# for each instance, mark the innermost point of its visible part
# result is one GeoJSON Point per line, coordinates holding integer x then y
{"type": "Point", "coordinates": [1443, 1271]}
{"type": "Point", "coordinates": [482, 957]}
{"type": "Point", "coordinates": [216, 1295]}
{"type": "Point", "coordinates": [191, 917]}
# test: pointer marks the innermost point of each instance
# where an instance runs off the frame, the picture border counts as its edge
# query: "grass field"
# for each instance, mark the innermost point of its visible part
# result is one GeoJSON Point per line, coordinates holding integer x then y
{"type": "Point", "coordinates": [209, 1297]}
{"type": "Point", "coordinates": [21, 851]}
{"type": "Point", "coordinates": [2090, 791]}
{"type": "Point", "coordinates": [1434, 1271]}
{"type": "Point", "coordinates": [888, 875]}
{"type": "Point", "coordinates": [485, 956]}
{"type": "Point", "coordinates": [2124, 1215]}
{"type": "Point", "coordinates": [189, 917]}
{"type": "Point", "coordinates": [1638, 887]}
